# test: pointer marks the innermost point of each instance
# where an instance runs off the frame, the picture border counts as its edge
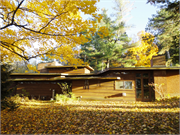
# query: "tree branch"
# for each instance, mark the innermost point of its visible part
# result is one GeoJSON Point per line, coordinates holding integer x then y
{"type": "Point", "coordinates": [16, 11]}
{"type": "Point", "coordinates": [12, 20]}
{"type": "Point", "coordinates": [23, 26]}
{"type": "Point", "coordinates": [24, 57]}
{"type": "Point", "coordinates": [51, 21]}
{"type": "Point", "coordinates": [8, 45]}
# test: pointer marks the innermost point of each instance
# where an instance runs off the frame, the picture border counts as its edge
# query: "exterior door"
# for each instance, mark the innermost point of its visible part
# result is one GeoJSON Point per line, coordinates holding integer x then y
{"type": "Point", "coordinates": [143, 92]}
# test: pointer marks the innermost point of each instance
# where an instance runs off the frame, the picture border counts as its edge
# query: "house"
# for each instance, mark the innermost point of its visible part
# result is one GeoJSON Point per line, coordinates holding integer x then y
{"type": "Point", "coordinates": [121, 84]}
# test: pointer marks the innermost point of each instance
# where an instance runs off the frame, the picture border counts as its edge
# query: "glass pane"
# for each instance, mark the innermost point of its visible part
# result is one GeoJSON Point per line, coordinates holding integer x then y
{"type": "Point", "coordinates": [119, 85]}
{"type": "Point", "coordinates": [145, 83]}
{"type": "Point", "coordinates": [145, 75]}
{"type": "Point", "coordinates": [138, 93]}
{"type": "Point", "coordinates": [138, 83]}
{"type": "Point", "coordinates": [127, 84]}
{"type": "Point", "coordinates": [146, 93]}
{"type": "Point", "coordinates": [138, 75]}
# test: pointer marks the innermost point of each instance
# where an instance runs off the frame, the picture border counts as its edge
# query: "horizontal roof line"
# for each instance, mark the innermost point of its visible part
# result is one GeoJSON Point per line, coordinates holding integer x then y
{"type": "Point", "coordinates": [129, 68]}
{"type": "Point", "coordinates": [88, 67]}
{"type": "Point", "coordinates": [65, 78]}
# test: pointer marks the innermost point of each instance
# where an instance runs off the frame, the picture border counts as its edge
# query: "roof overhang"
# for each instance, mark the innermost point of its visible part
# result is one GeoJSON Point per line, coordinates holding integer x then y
{"type": "Point", "coordinates": [43, 74]}
{"type": "Point", "coordinates": [147, 68]}
{"type": "Point", "coordinates": [67, 78]}
{"type": "Point", "coordinates": [76, 66]}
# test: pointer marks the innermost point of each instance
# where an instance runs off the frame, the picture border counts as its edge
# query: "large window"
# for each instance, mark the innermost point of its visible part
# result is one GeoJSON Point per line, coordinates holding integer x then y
{"type": "Point", "coordinates": [123, 85]}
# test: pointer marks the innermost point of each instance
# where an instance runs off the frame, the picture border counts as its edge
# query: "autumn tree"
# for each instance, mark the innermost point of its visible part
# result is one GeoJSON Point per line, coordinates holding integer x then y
{"type": "Point", "coordinates": [146, 49]}
{"type": "Point", "coordinates": [33, 28]}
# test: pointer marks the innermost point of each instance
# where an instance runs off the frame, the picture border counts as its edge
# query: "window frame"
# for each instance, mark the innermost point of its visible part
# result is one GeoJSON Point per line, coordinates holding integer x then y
{"type": "Point", "coordinates": [124, 85]}
{"type": "Point", "coordinates": [86, 84]}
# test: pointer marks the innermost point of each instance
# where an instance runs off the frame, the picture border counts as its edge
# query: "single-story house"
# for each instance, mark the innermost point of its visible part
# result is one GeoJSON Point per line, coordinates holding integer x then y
{"type": "Point", "coordinates": [121, 84]}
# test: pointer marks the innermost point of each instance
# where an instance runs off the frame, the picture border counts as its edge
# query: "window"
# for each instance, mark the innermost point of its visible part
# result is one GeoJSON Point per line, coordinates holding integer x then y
{"type": "Point", "coordinates": [127, 84]}
{"type": "Point", "coordinates": [119, 85]}
{"type": "Point", "coordinates": [138, 75]}
{"type": "Point", "coordinates": [123, 84]}
{"type": "Point", "coordinates": [86, 84]}
{"type": "Point", "coordinates": [124, 73]}
{"type": "Point", "coordinates": [145, 75]}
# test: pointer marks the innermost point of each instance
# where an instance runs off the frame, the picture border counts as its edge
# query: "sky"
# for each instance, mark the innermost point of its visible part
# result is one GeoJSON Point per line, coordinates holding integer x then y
{"type": "Point", "coordinates": [138, 15]}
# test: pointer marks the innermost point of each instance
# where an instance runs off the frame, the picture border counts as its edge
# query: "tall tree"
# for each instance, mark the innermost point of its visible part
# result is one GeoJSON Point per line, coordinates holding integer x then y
{"type": "Point", "coordinates": [165, 26]}
{"type": "Point", "coordinates": [33, 28]}
{"type": "Point", "coordinates": [6, 70]}
{"type": "Point", "coordinates": [146, 49]}
{"type": "Point", "coordinates": [106, 49]}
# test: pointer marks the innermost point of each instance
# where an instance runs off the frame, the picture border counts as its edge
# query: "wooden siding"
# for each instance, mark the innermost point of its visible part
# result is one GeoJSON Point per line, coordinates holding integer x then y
{"type": "Point", "coordinates": [86, 71]}
{"type": "Point", "coordinates": [159, 78]}
{"type": "Point", "coordinates": [68, 70]}
{"type": "Point", "coordinates": [42, 65]}
{"type": "Point", "coordinates": [158, 60]}
{"type": "Point", "coordinates": [171, 80]}
{"type": "Point", "coordinates": [101, 90]}
{"type": "Point", "coordinates": [173, 83]}
{"type": "Point", "coordinates": [39, 88]}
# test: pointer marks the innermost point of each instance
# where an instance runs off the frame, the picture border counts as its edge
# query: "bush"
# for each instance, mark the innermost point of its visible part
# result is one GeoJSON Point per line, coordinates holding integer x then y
{"type": "Point", "coordinates": [169, 99]}
{"type": "Point", "coordinates": [19, 99]}
{"type": "Point", "coordinates": [65, 97]}
{"type": "Point", "coordinates": [9, 103]}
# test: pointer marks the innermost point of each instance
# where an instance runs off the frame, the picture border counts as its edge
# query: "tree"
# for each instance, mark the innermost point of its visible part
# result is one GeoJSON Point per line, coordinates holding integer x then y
{"type": "Point", "coordinates": [33, 28]}
{"type": "Point", "coordinates": [6, 89]}
{"type": "Point", "coordinates": [6, 70]}
{"type": "Point", "coordinates": [105, 49]}
{"type": "Point", "coordinates": [165, 27]}
{"type": "Point", "coordinates": [144, 52]}
{"type": "Point", "coordinates": [19, 67]}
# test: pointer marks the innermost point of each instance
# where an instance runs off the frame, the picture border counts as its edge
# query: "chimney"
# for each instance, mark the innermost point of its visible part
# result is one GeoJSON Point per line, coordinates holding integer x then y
{"type": "Point", "coordinates": [158, 61]}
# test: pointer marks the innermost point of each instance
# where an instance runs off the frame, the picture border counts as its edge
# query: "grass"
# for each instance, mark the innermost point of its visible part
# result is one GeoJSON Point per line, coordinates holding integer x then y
{"type": "Point", "coordinates": [88, 117]}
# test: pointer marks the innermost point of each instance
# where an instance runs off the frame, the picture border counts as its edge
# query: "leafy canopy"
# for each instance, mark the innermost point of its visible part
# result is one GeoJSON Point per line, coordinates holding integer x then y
{"type": "Point", "coordinates": [144, 52]}
{"type": "Point", "coordinates": [52, 28]}
{"type": "Point", "coordinates": [165, 27]}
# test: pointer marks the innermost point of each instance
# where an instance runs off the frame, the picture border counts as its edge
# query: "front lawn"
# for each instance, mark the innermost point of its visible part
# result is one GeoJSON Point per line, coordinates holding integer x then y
{"type": "Point", "coordinates": [88, 117]}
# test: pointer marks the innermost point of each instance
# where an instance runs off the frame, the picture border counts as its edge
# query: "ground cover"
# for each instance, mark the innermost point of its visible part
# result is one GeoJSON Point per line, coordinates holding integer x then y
{"type": "Point", "coordinates": [88, 117]}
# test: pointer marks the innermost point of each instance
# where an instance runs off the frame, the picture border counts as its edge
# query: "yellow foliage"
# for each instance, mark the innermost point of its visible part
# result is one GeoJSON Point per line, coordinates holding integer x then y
{"type": "Point", "coordinates": [144, 52]}
{"type": "Point", "coordinates": [44, 27]}
{"type": "Point", "coordinates": [31, 67]}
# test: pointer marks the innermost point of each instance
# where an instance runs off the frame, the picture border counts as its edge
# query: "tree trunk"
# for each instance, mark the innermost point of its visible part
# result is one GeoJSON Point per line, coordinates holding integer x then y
{"type": "Point", "coordinates": [168, 56]}
{"type": "Point", "coordinates": [107, 65]}
{"type": "Point", "coordinates": [102, 65]}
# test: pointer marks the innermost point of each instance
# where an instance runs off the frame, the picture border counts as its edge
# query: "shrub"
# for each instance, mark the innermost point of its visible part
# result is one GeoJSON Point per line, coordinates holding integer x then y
{"type": "Point", "coordinates": [65, 97]}
{"type": "Point", "coordinates": [169, 99]}
{"type": "Point", "coordinates": [16, 98]}
{"type": "Point", "coordinates": [159, 89]}
{"type": "Point", "coordinates": [9, 103]}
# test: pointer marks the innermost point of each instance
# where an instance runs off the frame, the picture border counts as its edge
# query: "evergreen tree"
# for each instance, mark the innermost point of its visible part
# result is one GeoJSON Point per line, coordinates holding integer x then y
{"type": "Point", "coordinates": [6, 101]}
{"type": "Point", "coordinates": [5, 84]}
{"type": "Point", "coordinates": [106, 49]}
{"type": "Point", "coordinates": [165, 26]}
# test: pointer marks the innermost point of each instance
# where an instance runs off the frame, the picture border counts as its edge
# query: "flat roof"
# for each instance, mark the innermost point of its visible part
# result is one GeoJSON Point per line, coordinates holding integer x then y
{"type": "Point", "coordinates": [86, 66]}
{"type": "Point", "coordinates": [39, 74]}
{"type": "Point", "coordinates": [110, 69]}
{"type": "Point", "coordinates": [146, 68]}
{"type": "Point", "coordinates": [65, 78]}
